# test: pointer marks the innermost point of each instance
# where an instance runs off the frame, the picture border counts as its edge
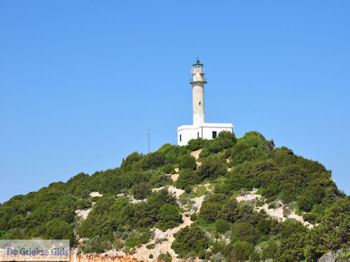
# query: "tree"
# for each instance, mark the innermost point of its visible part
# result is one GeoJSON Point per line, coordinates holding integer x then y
{"type": "Point", "coordinates": [211, 206]}
{"type": "Point", "coordinates": [58, 229]}
{"type": "Point", "coordinates": [168, 217]}
{"type": "Point", "coordinates": [212, 167]}
{"type": "Point", "coordinates": [240, 251]}
{"type": "Point", "coordinates": [141, 190]}
{"type": "Point", "coordinates": [130, 160]}
{"type": "Point", "coordinates": [222, 226]}
{"type": "Point", "coordinates": [334, 233]}
{"type": "Point", "coordinates": [187, 161]}
{"type": "Point", "coordinates": [245, 232]}
{"type": "Point", "coordinates": [270, 250]}
{"type": "Point", "coordinates": [229, 211]}
{"type": "Point", "coordinates": [195, 144]}
{"type": "Point", "coordinates": [190, 241]}
{"type": "Point", "coordinates": [153, 160]}
{"type": "Point", "coordinates": [186, 178]}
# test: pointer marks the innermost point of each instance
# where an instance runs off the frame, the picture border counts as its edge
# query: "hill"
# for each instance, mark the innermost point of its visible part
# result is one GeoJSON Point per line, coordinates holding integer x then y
{"type": "Point", "coordinates": [225, 199]}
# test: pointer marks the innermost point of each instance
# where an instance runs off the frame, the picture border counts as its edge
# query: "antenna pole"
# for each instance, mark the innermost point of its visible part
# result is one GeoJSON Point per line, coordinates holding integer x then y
{"type": "Point", "coordinates": [149, 141]}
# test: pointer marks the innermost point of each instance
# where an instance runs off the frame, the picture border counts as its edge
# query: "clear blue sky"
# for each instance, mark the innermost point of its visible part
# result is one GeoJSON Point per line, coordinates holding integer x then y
{"type": "Point", "coordinates": [81, 81]}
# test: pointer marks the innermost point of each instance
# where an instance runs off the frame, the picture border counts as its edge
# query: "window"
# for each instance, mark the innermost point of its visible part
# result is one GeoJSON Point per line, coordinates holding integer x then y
{"type": "Point", "coordinates": [197, 134]}
{"type": "Point", "coordinates": [214, 134]}
{"type": "Point", "coordinates": [200, 102]}
{"type": "Point", "coordinates": [180, 138]}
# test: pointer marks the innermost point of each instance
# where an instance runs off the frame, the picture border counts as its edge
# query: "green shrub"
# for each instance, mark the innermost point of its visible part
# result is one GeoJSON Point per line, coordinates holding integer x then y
{"type": "Point", "coordinates": [264, 225]}
{"type": "Point", "coordinates": [225, 140]}
{"type": "Point", "coordinates": [229, 211]}
{"type": "Point", "coordinates": [153, 160]}
{"type": "Point", "coordinates": [245, 232]}
{"type": "Point", "coordinates": [131, 160]}
{"type": "Point", "coordinates": [272, 206]}
{"type": "Point", "coordinates": [312, 195]}
{"type": "Point", "coordinates": [141, 190]}
{"type": "Point", "coordinates": [210, 207]}
{"type": "Point", "coordinates": [252, 146]}
{"type": "Point", "coordinates": [151, 246]}
{"type": "Point", "coordinates": [186, 178]}
{"type": "Point", "coordinates": [168, 169]}
{"type": "Point", "coordinates": [212, 167]}
{"type": "Point", "coordinates": [190, 241]}
{"type": "Point", "coordinates": [187, 161]}
{"type": "Point", "coordinates": [311, 218]}
{"type": "Point", "coordinates": [270, 250]}
{"type": "Point", "coordinates": [240, 251]}
{"type": "Point", "coordinates": [168, 217]}
{"type": "Point", "coordinates": [172, 153]}
{"type": "Point", "coordinates": [58, 229]}
{"type": "Point", "coordinates": [222, 226]}
{"type": "Point", "coordinates": [165, 257]}
{"type": "Point", "coordinates": [195, 144]}
{"type": "Point", "coordinates": [140, 236]}
{"type": "Point", "coordinates": [194, 217]}
{"type": "Point", "coordinates": [188, 189]}
{"type": "Point", "coordinates": [254, 257]}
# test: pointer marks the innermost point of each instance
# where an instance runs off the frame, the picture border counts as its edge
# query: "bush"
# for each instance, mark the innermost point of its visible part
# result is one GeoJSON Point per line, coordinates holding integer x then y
{"type": "Point", "coordinates": [311, 218]}
{"type": "Point", "coordinates": [187, 161]}
{"type": "Point", "coordinates": [153, 160]}
{"type": "Point", "coordinates": [241, 251]}
{"type": "Point", "coordinates": [140, 236]}
{"type": "Point", "coordinates": [212, 167]}
{"type": "Point", "coordinates": [168, 217]}
{"type": "Point", "coordinates": [186, 178]}
{"type": "Point", "coordinates": [168, 169]}
{"type": "Point", "coordinates": [58, 229]}
{"type": "Point", "coordinates": [225, 140]}
{"type": "Point", "coordinates": [195, 144]}
{"type": "Point", "coordinates": [172, 153]}
{"type": "Point", "coordinates": [151, 246]}
{"type": "Point", "coordinates": [312, 195]}
{"type": "Point", "coordinates": [245, 232]}
{"type": "Point", "coordinates": [194, 217]}
{"type": "Point", "coordinates": [84, 203]}
{"type": "Point", "coordinates": [188, 189]}
{"type": "Point", "coordinates": [229, 211]}
{"type": "Point", "coordinates": [252, 146]}
{"type": "Point", "coordinates": [190, 241]}
{"type": "Point", "coordinates": [254, 257]}
{"type": "Point", "coordinates": [141, 190]}
{"type": "Point", "coordinates": [210, 207]}
{"type": "Point", "coordinates": [222, 226]}
{"type": "Point", "coordinates": [130, 160]}
{"type": "Point", "coordinates": [270, 250]}
{"type": "Point", "coordinates": [165, 257]}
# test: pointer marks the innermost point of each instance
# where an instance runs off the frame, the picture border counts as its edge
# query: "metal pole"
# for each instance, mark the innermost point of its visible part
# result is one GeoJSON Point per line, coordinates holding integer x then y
{"type": "Point", "coordinates": [149, 141]}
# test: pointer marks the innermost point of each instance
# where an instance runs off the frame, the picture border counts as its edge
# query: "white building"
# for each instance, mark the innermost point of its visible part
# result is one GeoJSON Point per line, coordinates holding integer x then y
{"type": "Point", "coordinates": [199, 129]}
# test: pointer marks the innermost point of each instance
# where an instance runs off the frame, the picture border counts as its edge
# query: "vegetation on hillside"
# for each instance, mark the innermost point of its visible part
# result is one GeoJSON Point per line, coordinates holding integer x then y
{"type": "Point", "coordinates": [135, 200]}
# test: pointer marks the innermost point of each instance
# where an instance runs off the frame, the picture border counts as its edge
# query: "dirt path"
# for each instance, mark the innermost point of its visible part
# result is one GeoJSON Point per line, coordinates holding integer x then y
{"type": "Point", "coordinates": [196, 153]}
{"type": "Point", "coordinates": [273, 212]}
{"type": "Point", "coordinates": [163, 240]}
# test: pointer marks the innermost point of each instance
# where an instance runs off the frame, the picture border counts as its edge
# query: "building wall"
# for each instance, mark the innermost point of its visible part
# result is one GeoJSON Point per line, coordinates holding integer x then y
{"type": "Point", "coordinates": [205, 131]}
{"type": "Point", "coordinates": [187, 133]}
{"type": "Point", "coordinates": [208, 131]}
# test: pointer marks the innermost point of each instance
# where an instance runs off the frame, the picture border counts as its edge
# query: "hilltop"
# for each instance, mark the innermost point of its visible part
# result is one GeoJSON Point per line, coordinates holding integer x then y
{"type": "Point", "coordinates": [225, 199]}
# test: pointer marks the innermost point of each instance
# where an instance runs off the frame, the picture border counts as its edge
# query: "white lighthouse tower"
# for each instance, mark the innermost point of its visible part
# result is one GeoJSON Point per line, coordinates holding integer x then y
{"type": "Point", "coordinates": [199, 129]}
{"type": "Point", "coordinates": [198, 93]}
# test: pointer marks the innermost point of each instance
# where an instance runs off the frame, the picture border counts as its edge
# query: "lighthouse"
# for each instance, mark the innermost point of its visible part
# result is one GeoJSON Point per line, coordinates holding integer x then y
{"type": "Point", "coordinates": [198, 83]}
{"type": "Point", "coordinates": [199, 128]}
